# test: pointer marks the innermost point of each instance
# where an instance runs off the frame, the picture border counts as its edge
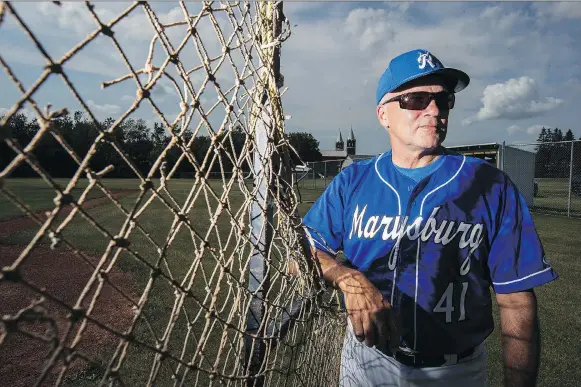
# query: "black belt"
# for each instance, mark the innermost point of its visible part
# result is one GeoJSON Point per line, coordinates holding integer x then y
{"type": "Point", "coordinates": [420, 360]}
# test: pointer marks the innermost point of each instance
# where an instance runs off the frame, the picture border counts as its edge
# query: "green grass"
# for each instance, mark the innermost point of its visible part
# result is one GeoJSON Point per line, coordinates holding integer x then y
{"type": "Point", "coordinates": [39, 195]}
{"type": "Point", "coordinates": [553, 197]}
{"type": "Point", "coordinates": [182, 255]}
{"type": "Point", "coordinates": [559, 313]}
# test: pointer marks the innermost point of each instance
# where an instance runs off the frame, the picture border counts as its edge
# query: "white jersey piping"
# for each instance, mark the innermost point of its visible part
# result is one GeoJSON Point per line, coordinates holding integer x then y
{"type": "Point", "coordinates": [399, 214]}
{"type": "Point", "coordinates": [418, 250]}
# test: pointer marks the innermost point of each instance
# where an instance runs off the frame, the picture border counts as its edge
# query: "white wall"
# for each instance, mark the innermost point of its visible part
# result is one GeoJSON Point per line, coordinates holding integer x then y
{"type": "Point", "coordinates": [520, 166]}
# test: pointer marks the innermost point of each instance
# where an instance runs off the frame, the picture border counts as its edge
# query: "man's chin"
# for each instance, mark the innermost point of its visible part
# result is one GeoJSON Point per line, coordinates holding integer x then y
{"type": "Point", "coordinates": [433, 144]}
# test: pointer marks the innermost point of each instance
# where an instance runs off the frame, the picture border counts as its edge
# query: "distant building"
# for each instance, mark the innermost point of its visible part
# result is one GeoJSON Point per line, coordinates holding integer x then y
{"type": "Point", "coordinates": [341, 156]}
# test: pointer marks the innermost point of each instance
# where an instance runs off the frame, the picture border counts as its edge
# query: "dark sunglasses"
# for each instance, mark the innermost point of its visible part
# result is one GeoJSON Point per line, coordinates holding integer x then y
{"type": "Point", "coordinates": [419, 100]}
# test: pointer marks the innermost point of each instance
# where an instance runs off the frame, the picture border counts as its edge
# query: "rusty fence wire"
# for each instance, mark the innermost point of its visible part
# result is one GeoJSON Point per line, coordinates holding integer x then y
{"type": "Point", "coordinates": [161, 245]}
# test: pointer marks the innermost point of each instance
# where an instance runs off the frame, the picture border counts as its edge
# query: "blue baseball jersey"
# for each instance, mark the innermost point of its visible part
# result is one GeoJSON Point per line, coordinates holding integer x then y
{"type": "Point", "coordinates": [433, 248]}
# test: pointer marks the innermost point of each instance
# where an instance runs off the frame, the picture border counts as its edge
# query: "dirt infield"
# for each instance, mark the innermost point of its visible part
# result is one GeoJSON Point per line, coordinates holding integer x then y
{"type": "Point", "coordinates": [63, 275]}
{"type": "Point", "coordinates": [11, 226]}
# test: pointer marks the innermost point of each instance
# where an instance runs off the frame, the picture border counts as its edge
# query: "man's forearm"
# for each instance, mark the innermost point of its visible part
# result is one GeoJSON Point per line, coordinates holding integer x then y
{"type": "Point", "coordinates": [336, 274]}
{"type": "Point", "coordinates": [520, 337]}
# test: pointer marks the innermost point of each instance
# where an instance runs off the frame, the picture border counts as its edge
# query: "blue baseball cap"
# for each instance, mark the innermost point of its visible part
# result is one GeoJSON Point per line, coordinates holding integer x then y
{"type": "Point", "coordinates": [416, 64]}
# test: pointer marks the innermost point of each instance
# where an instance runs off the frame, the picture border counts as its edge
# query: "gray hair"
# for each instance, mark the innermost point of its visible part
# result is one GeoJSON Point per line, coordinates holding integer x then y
{"type": "Point", "coordinates": [384, 99]}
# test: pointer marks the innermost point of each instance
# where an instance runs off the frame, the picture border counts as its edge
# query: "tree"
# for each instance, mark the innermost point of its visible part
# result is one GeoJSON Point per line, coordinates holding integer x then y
{"type": "Point", "coordinates": [20, 130]}
{"type": "Point", "coordinates": [137, 142]}
{"type": "Point", "coordinates": [557, 135]}
{"type": "Point", "coordinates": [306, 146]}
{"type": "Point", "coordinates": [543, 153]}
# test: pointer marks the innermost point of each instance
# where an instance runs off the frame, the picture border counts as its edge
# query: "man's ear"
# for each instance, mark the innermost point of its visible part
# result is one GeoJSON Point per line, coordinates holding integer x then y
{"type": "Point", "coordinates": [382, 115]}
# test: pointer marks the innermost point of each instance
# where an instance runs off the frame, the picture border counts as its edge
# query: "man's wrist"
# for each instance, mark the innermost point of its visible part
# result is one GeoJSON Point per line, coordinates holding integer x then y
{"type": "Point", "coordinates": [336, 274]}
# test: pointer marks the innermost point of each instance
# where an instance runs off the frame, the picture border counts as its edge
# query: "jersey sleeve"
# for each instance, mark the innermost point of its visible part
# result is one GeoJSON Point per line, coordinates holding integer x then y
{"type": "Point", "coordinates": [324, 222]}
{"type": "Point", "coordinates": [517, 260]}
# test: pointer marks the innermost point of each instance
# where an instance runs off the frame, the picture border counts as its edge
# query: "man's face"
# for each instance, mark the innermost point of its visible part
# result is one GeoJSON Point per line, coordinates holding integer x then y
{"type": "Point", "coordinates": [416, 129]}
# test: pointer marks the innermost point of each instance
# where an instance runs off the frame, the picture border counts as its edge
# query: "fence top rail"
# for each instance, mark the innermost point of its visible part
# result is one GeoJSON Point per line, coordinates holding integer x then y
{"type": "Point", "coordinates": [542, 143]}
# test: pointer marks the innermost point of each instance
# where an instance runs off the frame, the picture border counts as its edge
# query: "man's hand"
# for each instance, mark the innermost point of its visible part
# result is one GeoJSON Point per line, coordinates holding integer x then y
{"type": "Point", "coordinates": [370, 314]}
{"type": "Point", "coordinates": [520, 338]}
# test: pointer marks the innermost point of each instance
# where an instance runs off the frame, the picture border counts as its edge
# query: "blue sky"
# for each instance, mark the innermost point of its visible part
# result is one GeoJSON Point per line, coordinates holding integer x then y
{"type": "Point", "coordinates": [524, 60]}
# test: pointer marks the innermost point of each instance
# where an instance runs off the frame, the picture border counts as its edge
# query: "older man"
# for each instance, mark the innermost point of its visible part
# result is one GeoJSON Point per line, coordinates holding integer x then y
{"type": "Point", "coordinates": [426, 233]}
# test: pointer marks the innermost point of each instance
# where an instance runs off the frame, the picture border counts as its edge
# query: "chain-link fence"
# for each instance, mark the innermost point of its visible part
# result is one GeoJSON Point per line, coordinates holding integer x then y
{"type": "Point", "coordinates": [317, 175]}
{"type": "Point", "coordinates": [170, 255]}
{"type": "Point", "coordinates": [552, 170]}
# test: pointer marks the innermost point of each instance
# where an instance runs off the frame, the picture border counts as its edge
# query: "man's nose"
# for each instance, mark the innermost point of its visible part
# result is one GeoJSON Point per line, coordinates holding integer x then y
{"type": "Point", "coordinates": [432, 109]}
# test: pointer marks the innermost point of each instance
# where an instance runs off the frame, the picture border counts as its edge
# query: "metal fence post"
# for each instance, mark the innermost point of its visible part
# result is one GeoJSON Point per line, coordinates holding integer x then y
{"type": "Point", "coordinates": [502, 155]}
{"type": "Point", "coordinates": [261, 223]}
{"type": "Point", "coordinates": [314, 174]}
{"type": "Point", "coordinates": [325, 175]}
{"type": "Point", "coordinates": [570, 181]}
{"type": "Point", "coordinates": [262, 214]}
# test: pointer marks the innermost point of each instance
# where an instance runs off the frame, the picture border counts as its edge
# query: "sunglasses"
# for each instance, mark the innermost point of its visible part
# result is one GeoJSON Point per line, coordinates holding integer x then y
{"type": "Point", "coordinates": [419, 100]}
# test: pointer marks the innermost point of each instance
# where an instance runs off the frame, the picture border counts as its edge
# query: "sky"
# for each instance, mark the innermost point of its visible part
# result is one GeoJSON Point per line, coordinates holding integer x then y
{"type": "Point", "coordinates": [523, 58]}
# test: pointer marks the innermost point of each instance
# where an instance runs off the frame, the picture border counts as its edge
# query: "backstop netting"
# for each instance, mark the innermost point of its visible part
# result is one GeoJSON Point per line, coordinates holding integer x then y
{"type": "Point", "coordinates": [166, 253]}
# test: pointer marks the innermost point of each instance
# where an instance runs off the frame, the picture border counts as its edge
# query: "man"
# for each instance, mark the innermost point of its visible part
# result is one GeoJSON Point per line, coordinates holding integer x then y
{"type": "Point", "coordinates": [426, 232]}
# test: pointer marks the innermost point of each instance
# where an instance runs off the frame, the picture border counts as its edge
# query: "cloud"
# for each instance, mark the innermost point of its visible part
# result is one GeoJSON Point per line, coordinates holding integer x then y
{"type": "Point", "coordinates": [535, 129]}
{"type": "Point", "coordinates": [163, 90]}
{"type": "Point", "coordinates": [104, 109]}
{"type": "Point", "coordinates": [70, 16]}
{"type": "Point", "coordinates": [128, 98]}
{"type": "Point", "coordinates": [369, 26]}
{"type": "Point", "coordinates": [513, 129]}
{"type": "Point", "coordinates": [558, 10]}
{"type": "Point", "coordinates": [514, 99]}
{"type": "Point", "coordinates": [29, 113]}
{"type": "Point", "coordinates": [75, 18]}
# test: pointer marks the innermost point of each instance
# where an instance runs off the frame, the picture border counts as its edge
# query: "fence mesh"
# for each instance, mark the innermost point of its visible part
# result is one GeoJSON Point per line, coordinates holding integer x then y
{"type": "Point", "coordinates": [134, 255]}
{"type": "Point", "coordinates": [315, 176]}
{"type": "Point", "coordinates": [548, 174]}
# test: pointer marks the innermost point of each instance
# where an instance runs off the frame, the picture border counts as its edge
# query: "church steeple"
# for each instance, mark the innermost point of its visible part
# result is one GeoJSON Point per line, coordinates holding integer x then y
{"type": "Point", "coordinates": [351, 147]}
{"type": "Point", "coordinates": [339, 144]}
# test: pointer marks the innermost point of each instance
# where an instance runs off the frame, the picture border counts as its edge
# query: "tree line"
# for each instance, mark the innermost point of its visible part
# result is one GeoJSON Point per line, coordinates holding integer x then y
{"type": "Point", "coordinates": [139, 142]}
{"type": "Point", "coordinates": [553, 158]}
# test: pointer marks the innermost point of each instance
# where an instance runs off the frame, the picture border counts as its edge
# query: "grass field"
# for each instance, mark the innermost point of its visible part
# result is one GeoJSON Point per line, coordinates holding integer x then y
{"type": "Point", "coordinates": [558, 302]}
{"type": "Point", "coordinates": [192, 324]}
{"type": "Point", "coordinates": [553, 197]}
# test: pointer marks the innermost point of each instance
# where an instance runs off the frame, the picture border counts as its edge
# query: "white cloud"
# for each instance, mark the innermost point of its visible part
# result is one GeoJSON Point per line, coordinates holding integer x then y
{"type": "Point", "coordinates": [514, 99]}
{"type": "Point", "coordinates": [558, 10]}
{"type": "Point", "coordinates": [163, 90]}
{"type": "Point", "coordinates": [369, 26]}
{"type": "Point", "coordinates": [128, 98]}
{"type": "Point", "coordinates": [513, 129]}
{"type": "Point", "coordinates": [535, 129]}
{"type": "Point", "coordinates": [75, 17]}
{"type": "Point", "coordinates": [103, 109]}
{"type": "Point", "coordinates": [70, 16]}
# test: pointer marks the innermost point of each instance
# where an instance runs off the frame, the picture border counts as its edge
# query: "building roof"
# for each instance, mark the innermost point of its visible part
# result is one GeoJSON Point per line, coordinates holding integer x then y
{"type": "Point", "coordinates": [361, 157]}
{"type": "Point", "coordinates": [339, 154]}
{"type": "Point", "coordinates": [487, 146]}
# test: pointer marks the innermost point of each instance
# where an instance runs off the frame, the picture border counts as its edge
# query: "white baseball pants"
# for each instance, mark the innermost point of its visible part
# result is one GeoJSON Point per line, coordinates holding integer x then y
{"type": "Point", "coordinates": [362, 366]}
